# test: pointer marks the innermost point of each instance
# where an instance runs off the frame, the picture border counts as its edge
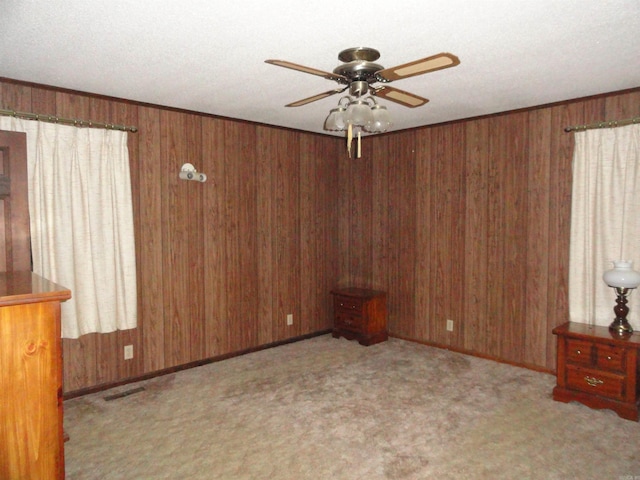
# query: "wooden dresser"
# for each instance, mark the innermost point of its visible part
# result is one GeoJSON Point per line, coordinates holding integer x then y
{"type": "Point", "coordinates": [31, 430]}
{"type": "Point", "coordinates": [360, 314]}
{"type": "Point", "coordinates": [598, 368]}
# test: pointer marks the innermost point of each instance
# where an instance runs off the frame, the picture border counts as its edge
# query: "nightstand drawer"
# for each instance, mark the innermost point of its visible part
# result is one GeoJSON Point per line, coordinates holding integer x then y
{"type": "Point", "coordinates": [596, 382]}
{"type": "Point", "coordinates": [349, 322]}
{"type": "Point", "coordinates": [610, 358]}
{"type": "Point", "coordinates": [579, 351]}
{"type": "Point", "coordinates": [349, 304]}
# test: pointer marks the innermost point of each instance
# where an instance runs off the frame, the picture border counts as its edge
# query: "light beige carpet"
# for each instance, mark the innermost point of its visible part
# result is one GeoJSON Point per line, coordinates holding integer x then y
{"type": "Point", "coordinates": [331, 409]}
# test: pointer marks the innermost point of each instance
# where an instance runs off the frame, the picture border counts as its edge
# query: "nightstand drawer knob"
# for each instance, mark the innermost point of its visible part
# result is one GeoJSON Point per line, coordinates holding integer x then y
{"type": "Point", "coordinates": [594, 382]}
{"type": "Point", "coordinates": [578, 352]}
{"type": "Point", "coordinates": [608, 357]}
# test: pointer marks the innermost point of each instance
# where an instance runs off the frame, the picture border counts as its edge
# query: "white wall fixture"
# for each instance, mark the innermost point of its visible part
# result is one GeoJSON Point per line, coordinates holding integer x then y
{"type": "Point", "coordinates": [189, 172]}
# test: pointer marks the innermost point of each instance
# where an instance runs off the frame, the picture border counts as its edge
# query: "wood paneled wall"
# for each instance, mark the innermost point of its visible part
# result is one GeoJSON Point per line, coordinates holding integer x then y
{"type": "Point", "coordinates": [469, 221]}
{"type": "Point", "coordinates": [220, 264]}
{"type": "Point", "coordinates": [466, 221]}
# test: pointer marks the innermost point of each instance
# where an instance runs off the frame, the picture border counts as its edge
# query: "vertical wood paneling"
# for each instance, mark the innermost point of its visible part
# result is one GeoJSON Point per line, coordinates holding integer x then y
{"type": "Point", "coordinates": [344, 220]}
{"type": "Point", "coordinates": [328, 154]}
{"type": "Point", "coordinates": [496, 235]}
{"type": "Point", "coordinates": [380, 165]}
{"type": "Point", "coordinates": [175, 207]}
{"type": "Point", "coordinates": [151, 279]}
{"type": "Point", "coordinates": [246, 331]}
{"type": "Point", "coordinates": [216, 332]}
{"type": "Point", "coordinates": [444, 218]}
{"type": "Point", "coordinates": [537, 240]}
{"type": "Point", "coordinates": [620, 107]}
{"type": "Point", "coordinates": [514, 233]}
{"type": "Point", "coordinates": [402, 231]}
{"type": "Point", "coordinates": [360, 220]}
{"type": "Point", "coordinates": [286, 155]}
{"type": "Point", "coordinates": [318, 227]}
{"type": "Point", "coordinates": [312, 234]}
{"type": "Point", "coordinates": [502, 204]}
{"type": "Point", "coordinates": [476, 236]}
{"type": "Point", "coordinates": [127, 114]}
{"type": "Point", "coordinates": [266, 232]}
{"type": "Point", "coordinates": [198, 245]}
{"type": "Point", "coordinates": [457, 197]}
{"type": "Point", "coordinates": [560, 215]}
{"type": "Point", "coordinates": [241, 211]}
{"type": "Point", "coordinates": [43, 101]}
{"type": "Point", "coordinates": [194, 342]}
{"type": "Point", "coordinates": [487, 199]}
{"type": "Point", "coordinates": [182, 229]}
{"type": "Point", "coordinates": [18, 97]}
{"type": "Point", "coordinates": [424, 237]}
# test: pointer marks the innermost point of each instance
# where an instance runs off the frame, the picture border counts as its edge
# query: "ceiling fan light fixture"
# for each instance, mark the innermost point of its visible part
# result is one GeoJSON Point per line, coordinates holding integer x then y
{"type": "Point", "coordinates": [381, 119]}
{"type": "Point", "coordinates": [336, 121]}
{"type": "Point", "coordinates": [359, 113]}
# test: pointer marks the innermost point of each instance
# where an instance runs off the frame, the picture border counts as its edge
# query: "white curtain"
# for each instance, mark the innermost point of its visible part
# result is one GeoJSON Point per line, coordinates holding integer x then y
{"type": "Point", "coordinates": [605, 220]}
{"type": "Point", "coordinates": [82, 222]}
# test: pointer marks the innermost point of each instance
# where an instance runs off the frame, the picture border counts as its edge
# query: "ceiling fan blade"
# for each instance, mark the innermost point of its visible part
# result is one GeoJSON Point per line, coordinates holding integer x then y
{"type": "Point", "coordinates": [312, 71]}
{"type": "Point", "coordinates": [400, 96]}
{"type": "Point", "coordinates": [320, 96]}
{"type": "Point", "coordinates": [429, 64]}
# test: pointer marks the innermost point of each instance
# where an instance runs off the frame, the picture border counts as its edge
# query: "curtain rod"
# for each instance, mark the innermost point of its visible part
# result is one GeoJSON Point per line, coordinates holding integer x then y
{"type": "Point", "coordinates": [67, 121]}
{"type": "Point", "coordinates": [610, 124]}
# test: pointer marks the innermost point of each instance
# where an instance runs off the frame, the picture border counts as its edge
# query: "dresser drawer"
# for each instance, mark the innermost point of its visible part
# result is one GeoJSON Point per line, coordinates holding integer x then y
{"type": "Point", "coordinates": [579, 351]}
{"type": "Point", "coordinates": [349, 305]}
{"type": "Point", "coordinates": [610, 358]}
{"type": "Point", "coordinates": [596, 382]}
{"type": "Point", "coordinates": [349, 322]}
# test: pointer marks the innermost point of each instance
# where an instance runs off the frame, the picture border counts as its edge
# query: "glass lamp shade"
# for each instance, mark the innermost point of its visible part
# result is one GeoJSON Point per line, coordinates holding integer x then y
{"type": "Point", "coordinates": [359, 113]}
{"type": "Point", "coordinates": [381, 119]}
{"type": "Point", "coordinates": [622, 275]}
{"type": "Point", "coordinates": [336, 120]}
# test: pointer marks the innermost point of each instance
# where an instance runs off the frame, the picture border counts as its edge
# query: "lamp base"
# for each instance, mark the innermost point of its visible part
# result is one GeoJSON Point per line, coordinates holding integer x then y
{"type": "Point", "coordinates": [621, 327]}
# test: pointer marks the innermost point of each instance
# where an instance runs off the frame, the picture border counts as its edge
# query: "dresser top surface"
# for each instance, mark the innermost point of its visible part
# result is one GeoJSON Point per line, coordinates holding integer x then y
{"type": "Point", "coordinates": [358, 292]}
{"type": "Point", "coordinates": [27, 287]}
{"type": "Point", "coordinates": [596, 332]}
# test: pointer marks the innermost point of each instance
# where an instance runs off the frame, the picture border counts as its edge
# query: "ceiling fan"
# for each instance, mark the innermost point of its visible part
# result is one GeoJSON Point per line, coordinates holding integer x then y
{"type": "Point", "coordinates": [360, 75]}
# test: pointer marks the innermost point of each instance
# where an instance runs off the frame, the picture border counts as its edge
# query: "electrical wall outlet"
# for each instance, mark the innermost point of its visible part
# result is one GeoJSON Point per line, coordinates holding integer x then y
{"type": "Point", "coordinates": [128, 352]}
{"type": "Point", "coordinates": [290, 319]}
{"type": "Point", "coordinates": [449, 325]}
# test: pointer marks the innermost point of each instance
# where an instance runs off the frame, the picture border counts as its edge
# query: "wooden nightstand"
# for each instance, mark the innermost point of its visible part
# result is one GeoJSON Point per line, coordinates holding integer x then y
{"type": "Point", "coordinates": [598, 368]}
{"type": "Point", "coordinates": [360, 314]}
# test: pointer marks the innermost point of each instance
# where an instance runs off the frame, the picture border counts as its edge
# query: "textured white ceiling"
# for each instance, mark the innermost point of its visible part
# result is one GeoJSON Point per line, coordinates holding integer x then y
{"type": "Point", "coordinates": [208, 56]}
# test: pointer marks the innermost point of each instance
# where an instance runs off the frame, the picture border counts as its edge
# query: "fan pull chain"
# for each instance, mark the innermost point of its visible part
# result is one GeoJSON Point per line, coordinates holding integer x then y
{"type": "Point", "coordinates": [359, 148]}
{"type": "Point", "coordinates": [349, 139]}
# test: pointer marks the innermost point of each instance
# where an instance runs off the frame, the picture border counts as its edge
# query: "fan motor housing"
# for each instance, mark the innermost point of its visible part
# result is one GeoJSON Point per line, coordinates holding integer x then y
{"type": "Point", "coordinates": [359, 53]}
{"type": "Point", "coordinates": [359, 64]}
{"type": "Point", "coordinates": [359, 70]}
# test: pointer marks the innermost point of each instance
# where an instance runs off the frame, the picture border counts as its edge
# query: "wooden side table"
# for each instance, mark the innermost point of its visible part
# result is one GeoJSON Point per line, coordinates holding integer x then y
{"type": "Point", "coordinates": [360, 314]}
{"type": "Point", "coordinates": [598, 368]}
